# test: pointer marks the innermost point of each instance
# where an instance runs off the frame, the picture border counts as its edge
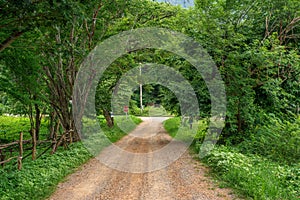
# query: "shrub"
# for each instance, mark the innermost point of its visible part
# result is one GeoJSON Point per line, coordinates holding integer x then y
{"type": "Point", "coordinates": [172, 125]}
{"type": "Point", "coordinates": [37, 179]}
{"type": "Point", "coordinates": [255, 176]}
{"type": "Point", "coordinates": [276, 140]}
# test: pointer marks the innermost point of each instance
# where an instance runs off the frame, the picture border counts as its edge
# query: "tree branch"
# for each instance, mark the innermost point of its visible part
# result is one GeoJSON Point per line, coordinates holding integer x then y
{"type": "Point", "coordinates": [15, 35]}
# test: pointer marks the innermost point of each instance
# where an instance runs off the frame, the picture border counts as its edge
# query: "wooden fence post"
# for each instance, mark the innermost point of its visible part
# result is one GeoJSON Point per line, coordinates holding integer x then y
{"type": "Point", "coordinates": [20, 151]}
{"type": "Point", "coordinates": [2, 157]}
{"type": "Point", "coordinates": [33, 144]}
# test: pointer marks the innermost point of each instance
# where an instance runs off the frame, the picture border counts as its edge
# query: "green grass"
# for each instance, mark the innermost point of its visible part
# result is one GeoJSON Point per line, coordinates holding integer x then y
{"type": "Point", "coordinates": [171, 125]}
{"type": "Point", "coordinates": [38, 179]}
{"type": "Point", "coordinates": [151, 111]}
{"type": "Point", "coordinates": [252, 176]}
{"type": "Point", "coordinates": [96, 139]}
{"type": "Point", "coordinates": [10, 128]}
{"type": "Point", "coordinates": [127, 124]}
{"type": "Point", "coordinates": [186, 134]}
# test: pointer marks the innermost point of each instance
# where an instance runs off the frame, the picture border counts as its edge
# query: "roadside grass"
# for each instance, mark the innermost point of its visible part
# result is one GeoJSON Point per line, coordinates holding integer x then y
{"type": "Point", "coordinates": [115, 133]}
{"type": "Point", "coordinates": [251, 176]}
{"type": "Point", "coordinates": [38, 179]}
{"type": "Point", "coordinates": [254, 176]}
{"type": "Point", "coordinates": [171, 125]}
{"type": "Point", "coordinates": [197, 132]}
{"type": "Point", "coordinates": [126, 124]}
{"type": "Point", "coordinates": [150, 111]}
{"type": "Point", "coordinates": [10, 128]}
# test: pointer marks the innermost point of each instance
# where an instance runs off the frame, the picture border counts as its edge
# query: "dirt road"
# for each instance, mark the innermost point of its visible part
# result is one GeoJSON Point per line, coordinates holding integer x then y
{"type": "Point", "coordinates": [183, 179]}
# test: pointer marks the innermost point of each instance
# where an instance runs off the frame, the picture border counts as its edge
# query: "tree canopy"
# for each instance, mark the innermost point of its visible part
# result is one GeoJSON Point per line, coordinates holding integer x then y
{"type": "Point", "coordinates": [253, 43]}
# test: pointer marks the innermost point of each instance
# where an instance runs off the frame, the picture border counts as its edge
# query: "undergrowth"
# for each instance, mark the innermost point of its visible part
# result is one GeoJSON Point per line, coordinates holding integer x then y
{"type": "Point", "coordinates": [254, 176]}
{"type": "Point", "coordinates": [259, 168]}
{"type": "Point", "coordinates": [38, 178]}
{"type": "Point", "coordinates": [10, 128]}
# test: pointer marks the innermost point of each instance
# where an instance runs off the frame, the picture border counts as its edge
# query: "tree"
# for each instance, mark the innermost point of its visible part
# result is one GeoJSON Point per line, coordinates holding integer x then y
{"type": "Point", "coordinates": [65, 47]}
{"type": "Point", "coordinates": [60, 43]}
{"type": "Point", "coordinates": [253, 44]}
{"type": "Point", "coordinates": [21, 80]}
{"type": "Point", "coordinates": [20, 17]}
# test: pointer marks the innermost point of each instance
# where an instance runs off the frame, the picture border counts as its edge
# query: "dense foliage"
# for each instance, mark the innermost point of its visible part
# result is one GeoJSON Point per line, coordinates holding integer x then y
{"type": "Point", "coordinates": [254, 44]}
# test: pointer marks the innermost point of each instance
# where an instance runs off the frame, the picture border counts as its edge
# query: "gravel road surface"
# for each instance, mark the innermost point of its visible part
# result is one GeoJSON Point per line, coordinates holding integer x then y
{"type": "Point", "coordinates": [131, 177]}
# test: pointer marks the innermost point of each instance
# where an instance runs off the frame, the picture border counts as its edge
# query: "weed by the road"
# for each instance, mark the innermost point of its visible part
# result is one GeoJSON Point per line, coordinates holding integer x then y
{"type": "Point", "coordinates": [38, 179]}
{"type": "Point", "coordinates": [254, 176]}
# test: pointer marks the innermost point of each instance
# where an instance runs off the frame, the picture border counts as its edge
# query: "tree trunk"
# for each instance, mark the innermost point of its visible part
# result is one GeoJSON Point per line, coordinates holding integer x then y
{"type": "Point", "coordinates": [37, 121]}
{"type": "Point", "coordinates": [108, 118]}
{"type": "Point", "coordinates": [33, 144]}
{"type": "Point", "coordinates": [20, 151]}
{"type": "Point", "coordinates": [61, 75]}
{"type": "Point", "coordinates": [52, 125]}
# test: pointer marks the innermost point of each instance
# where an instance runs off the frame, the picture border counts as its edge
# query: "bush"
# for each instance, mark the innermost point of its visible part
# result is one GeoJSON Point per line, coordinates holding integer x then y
{"type": "Point", "coordinates": [134, 110]}
{"type": "Point", "coordinates": [37, 179]}
{"type": "Point", "coordinates": [2, 109]}
{"type": "Point", "coordinates": [276, 140]}
{"type": "Point", "coordinates": [255, 176]}
{"type": "Point", "coordinates": [171, 125]}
